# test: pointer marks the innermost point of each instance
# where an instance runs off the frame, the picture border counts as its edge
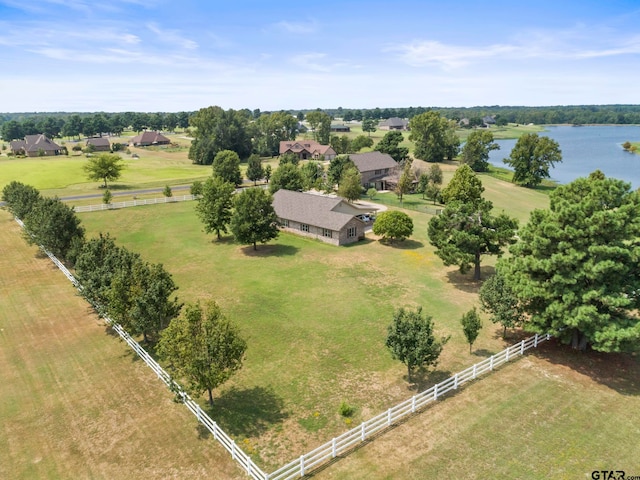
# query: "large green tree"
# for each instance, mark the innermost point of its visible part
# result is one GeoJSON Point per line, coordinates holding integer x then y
{"type": "Point", "coordinates": [350, 184]}
{"type": "Point", "coordinates": [475, 152]}
{"type": "Point", "coordinates": [466, 231]}
{"type": "Point", "coordinates": [320, 124]}
{"type": "Point", "coordinates": [20, 198]}
{"type": "Point", "coordinates": [464, 186]}
{"type": "Point", "coordinates": [216, 130]}
{"type": "Point", "coordinates": [336, 166]}
{"type": "Point", "coordinates": [369, 125]}
{"type": "Point", "coordinates": [255, 171]}
{"type": "Point", "coordinates": [411, 339]}
{"type": "Point", "coordinates": [312, 175]}
{"type": "Point", "coordinates": [254, 219]}
{"type": "Point", "coordinates": [271, 129]}
{"type": "Point", "coordinates": [226, 165]}
{"type": "Point", "coordinates": [434, 137]}
{"type": "Point", "coordinates": [576, 268]}
{"type": "Point", "coordinates": [54, 225]}
{"type": "Point", "coordinates": [288, 177]}
{"type": "Point", "coordinates": [202, 346]}
{"type": "Point", "coordinates": [214, 205]}
{"type": "Point", "coordinates": [393, 225]}
{"type": "Point", "coordinates": [390, 144]}
{"type": "Point", "coordinates": [532, 157]}
{"type": "Point", "coordinates": [105, 167]}
{"type": "Point", "coordinates": [360, 142]}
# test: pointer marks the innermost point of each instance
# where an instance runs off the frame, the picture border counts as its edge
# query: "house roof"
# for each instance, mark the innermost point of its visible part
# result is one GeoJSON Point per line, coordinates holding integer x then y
{"type": "Point", "coordinates": [98, 142]}
{"type": "Point", "coordinates": [310, 146]}
{"type": "Point", "coordinates": [370, 161]}
{"type": "Point", "coordinates": [150, 138]}
{"type": "Point", "coordinates": [394, 122]}
{"type": "Point", "coordinates": [312, 209]}
{"type": "Point", "coordinates": [33, 143]}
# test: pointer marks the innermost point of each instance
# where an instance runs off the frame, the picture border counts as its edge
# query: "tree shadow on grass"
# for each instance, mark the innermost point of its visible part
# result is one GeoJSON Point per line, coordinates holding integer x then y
{"type": "Point", "coordinates": [618, 371]}
{"type": "Point", "coordinates": [117, 186]}
{"type": "Point", "coordinates": [249, 411]}
{"type": "Point", "coordinates": [276, 250]}
{"type": "Point", "coordinates": [465, 281]}
{"type": "Point", "coordinates": [404, 244]}
{"type": "Point", "coordinates": [483, 352]}
{"type": "Point", "coordinates": [423, 379]}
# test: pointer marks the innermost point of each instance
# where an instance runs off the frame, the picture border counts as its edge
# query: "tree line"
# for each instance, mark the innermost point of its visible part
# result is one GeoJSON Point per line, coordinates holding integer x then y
{"type": "Point", "coordinates": [198, 342]}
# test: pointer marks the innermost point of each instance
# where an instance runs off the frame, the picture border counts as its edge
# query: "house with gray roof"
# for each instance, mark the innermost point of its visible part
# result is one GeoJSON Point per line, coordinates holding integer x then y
{"type": "Point", "coordinates": [35, 146]}
{"type": "Point", "coordinates": [327, 218]}
{"type": "Point", "coordinates": [147, 139]}
{"type": "Point", "coordinates": [376, 169]}
{"type": "Point", "coordinates": [394, 123]}
{"type": "Point", "coordinates": [100, 144]}
{"type": "Point", "coordinates": [307, 149]}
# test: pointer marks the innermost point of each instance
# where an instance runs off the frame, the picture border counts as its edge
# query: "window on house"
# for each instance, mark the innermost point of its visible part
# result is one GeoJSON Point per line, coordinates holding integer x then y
{"type": "Point", "coordinates": [285, 223]}
{"type": "Point", "coordinates": [304, 227]}
{"type": "Point", "coordinates": [327, 233]}
{"type": "Point", "coordinates": [351, 232]}
{"type": "Point", "coordinates": [377, 172]}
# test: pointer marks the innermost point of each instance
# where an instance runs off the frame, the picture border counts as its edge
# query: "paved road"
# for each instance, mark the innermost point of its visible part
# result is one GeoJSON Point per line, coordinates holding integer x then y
{"type": "Point", "coordinates": [125, 192]}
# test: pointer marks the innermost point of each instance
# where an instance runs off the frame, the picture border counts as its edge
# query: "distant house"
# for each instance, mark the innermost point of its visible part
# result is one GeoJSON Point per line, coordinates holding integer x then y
{"type": "Point", "coordinates": [340, 128]}
{"type": "Point", "coordinates": [307, 149]}
{"type": "Point", "coordinates": [100, 144]}
{"type": "Point", "coordinates": [488, 120]}
{"type": "Point", "coordinates": [35, 146]}
{"type": "Point", "coordinates": [376, 169]}
{"type": "Point", "coordinates": [394, 123]}
{"type": "Point", "coordinates": [146, 139]}
{"type": "Point", "coordinates": [330, 219]}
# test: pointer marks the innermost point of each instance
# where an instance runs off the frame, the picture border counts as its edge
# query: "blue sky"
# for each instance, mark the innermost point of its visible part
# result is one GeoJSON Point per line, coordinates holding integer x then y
{"type": "Point", "coordinates": [157, 55]}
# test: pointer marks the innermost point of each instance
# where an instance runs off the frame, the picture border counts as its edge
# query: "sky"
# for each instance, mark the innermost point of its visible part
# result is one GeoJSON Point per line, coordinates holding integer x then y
{"type": "Point", "coordinates": [169, 56]}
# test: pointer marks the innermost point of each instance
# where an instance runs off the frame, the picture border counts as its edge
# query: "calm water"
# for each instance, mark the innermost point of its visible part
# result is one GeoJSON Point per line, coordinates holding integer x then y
{"type": "Point", "coordinates": [585, 149]}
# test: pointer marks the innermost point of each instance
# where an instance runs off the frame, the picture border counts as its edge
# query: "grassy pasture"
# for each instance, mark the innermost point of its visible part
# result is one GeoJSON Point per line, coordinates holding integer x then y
{"type": "Point", "coordinates": [74, 401]}
{"type": "Point", "coordinates": [315, 317]}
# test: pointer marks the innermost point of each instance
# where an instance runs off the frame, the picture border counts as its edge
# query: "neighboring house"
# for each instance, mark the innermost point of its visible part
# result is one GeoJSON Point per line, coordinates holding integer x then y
{"type": "Point", "coordinates": [488, 120]}
{"type": "Point", "coordinates": [100, 144]}
{"type": "Point", "coordinates": [376, 169]}
{"type": "Point", "coordinates": [340, 128]}
{"type": "Point", "coordinates": [330, 219]}
{"type": "Point", "coordinates": [307, 149]}
{"type": "Point", "coordinates": [394, 123]}
{"type": "Point", "coordinates": [35, 146]}
{"type": "Point", "coordinates": [146, 139]}
{"type": "Point", "coordinates": [464, 122]}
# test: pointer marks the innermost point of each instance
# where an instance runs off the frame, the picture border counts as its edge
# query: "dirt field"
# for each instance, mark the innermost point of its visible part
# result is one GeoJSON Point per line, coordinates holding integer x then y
{"type": "Point", "coordinates": [74, 402]}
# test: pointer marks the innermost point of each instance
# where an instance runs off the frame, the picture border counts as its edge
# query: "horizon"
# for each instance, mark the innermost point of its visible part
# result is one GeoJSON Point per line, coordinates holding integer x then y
{"type": "Point", "coordinates": [129, 55]}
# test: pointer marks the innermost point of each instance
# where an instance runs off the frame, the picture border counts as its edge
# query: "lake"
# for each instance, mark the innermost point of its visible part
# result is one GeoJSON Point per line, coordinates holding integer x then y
{"type": "Point", "coordinates": [585, 149]}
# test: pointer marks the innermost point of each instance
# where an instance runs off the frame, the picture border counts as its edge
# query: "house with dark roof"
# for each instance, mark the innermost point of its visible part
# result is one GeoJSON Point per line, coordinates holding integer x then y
{"type": "Point", "coordinates": [340, 128]}
{"type": "Point", "coordinates": [307, 149]}
{"type": "Point", "coordinates": [35, 146]}
{"type": "Point", "coordinates": [327, 218]}
{"type": "Point", "coordinates": [100, 144]}
{"type": "Point", "coordinates": [394, 123]}
{"type": "Point", "coordinates": [377, 169]}
{"type": "Point", "coordinates": [147, 139]}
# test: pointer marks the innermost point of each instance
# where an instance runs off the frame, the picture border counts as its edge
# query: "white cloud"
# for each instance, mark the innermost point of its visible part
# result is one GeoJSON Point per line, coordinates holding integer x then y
{"type": "Point", "coordinates": [172, 37]}
{"type": "Point", "coordinates": [297, 28]}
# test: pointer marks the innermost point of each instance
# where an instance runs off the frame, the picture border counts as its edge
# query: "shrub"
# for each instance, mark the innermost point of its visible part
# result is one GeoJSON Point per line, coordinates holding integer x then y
{"type": "Point", "coordinates": [371, 193]}
{"type": "Point", "coordinates": [346, 410]}
{"type": "Point", "coordinates": [393, 225]}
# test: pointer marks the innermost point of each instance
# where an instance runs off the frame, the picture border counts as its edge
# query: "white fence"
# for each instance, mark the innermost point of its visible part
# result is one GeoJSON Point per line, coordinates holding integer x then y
{"type": "Point", "coordinates": [133, 203]}
{"type": "Point", "coordinates": [338, 445]}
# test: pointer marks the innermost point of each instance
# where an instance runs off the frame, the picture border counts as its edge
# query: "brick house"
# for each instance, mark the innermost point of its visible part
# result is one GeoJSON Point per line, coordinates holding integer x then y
{"type": "Point", "coordinates": [35, 146]}
{"type": "Point", "coordinates": [307, 149]}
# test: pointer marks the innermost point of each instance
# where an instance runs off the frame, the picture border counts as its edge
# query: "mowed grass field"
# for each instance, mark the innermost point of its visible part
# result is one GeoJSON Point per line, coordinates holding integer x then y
{"type": "Point", "coordinates": [74, 402]}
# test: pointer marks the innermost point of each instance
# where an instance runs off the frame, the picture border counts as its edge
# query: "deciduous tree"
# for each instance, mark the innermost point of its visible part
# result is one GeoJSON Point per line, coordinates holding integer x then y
{"type": "Point", "coordinates": [214, 205]}
{"type": "Point", "coordinates": [288, 177]}
{"type": "Point", "coordinates": [576, 268]}
{"type": "Point", "coordinates": [434, 137]}
{"type": "Point", "coordinates": [393, 225]}
{"type": "Point", "coordinates": [217, 130]}
{"type": "Point", "coordinates": [20, 198]}
{"type": "Point", "coordinates": [499, 300]}
{"type": "Point", "coordinates": [411, 339]}
{"type": "Point", "coordinates": [226, 165]}
{"type": "Point", "coordinates": [390, 144]}
{"type": "Point", "coordinates": [360, 142]}
{"type": "Point", "coordinates": [369, 125]}
{"type": "Point", "coordinates": [471, 325]}
{"type": "Point", "coordinates": [202, 346]}
{"type": "Point", "coordinates": [255, 171]}
{"type": "Point", "coordinates": [475, 152]}
{"type": "Point", "coordinates": [320, 123]}
{"type": "Point", "coordinates": [336, 166]}
{"type": "Point", "coordinates": [532, 157]}
{"type": "Point", "coordinates": [254, 219]}
{"type": "Point", "coordinates": [105, 166]}
{"type": "Point", "coordinates": [464, 186]}
{"type": "Point", "coordinates": [351, 184]}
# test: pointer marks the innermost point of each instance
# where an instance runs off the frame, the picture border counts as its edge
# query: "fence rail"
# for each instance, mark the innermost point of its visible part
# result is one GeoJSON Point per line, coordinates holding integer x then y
{"type": "Point", "coordinates": [337, 445]}
{"type": "Point", "coordinates": [132, 203]}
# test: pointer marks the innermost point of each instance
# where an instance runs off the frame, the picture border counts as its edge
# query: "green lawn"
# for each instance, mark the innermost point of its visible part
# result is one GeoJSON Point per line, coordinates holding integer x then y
{"type": "Point", "coordinates": [315, 316]}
